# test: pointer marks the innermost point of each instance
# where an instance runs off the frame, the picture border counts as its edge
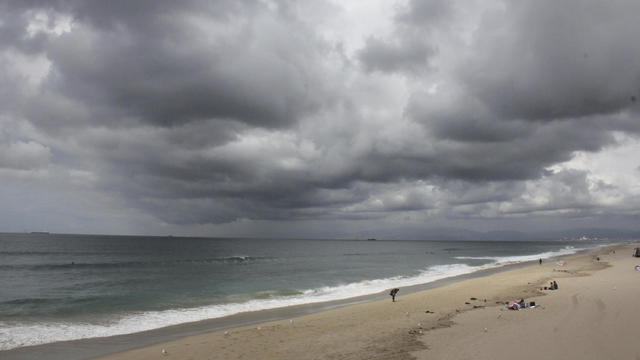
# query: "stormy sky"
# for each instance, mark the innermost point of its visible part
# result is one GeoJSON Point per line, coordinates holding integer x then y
{"type": "Point", "coordinates": [318, 118]}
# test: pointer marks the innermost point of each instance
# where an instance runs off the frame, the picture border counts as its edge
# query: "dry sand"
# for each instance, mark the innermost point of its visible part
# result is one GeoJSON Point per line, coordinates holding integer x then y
{"type": "Point", "coordinates": [589, 317]}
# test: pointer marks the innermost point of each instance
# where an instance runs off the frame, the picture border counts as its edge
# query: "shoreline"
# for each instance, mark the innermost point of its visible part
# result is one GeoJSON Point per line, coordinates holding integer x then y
{"type": "Point", "coordinates": [591, 316]}
{"type": "Point", "coordinates": [89, 348]}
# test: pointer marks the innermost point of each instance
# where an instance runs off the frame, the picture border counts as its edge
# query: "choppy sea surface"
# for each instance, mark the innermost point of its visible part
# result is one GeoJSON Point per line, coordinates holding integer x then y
{"type": "Point", "coordinates": [64, 287]}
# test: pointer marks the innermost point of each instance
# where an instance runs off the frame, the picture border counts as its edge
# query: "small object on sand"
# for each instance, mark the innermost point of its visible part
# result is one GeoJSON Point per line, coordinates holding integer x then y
{"type": "Point", "coordinates": [485, 329]}
{"type": "Point", "coordinates": [473, 298]}
{"type": "Point", "coordinates": [420, 325]}
{"type": "Point", "coordinates": [466, 302]}
{"type": "Point", "coordinates": [164, 352]}
{"type": "Point", "coordinates": [407, 313]}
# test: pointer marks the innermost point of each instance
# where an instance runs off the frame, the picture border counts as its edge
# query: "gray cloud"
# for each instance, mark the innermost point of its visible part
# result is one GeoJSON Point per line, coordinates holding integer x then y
{"type": "Point", "coordinates": [410, 56]}
{"type": "Point", "coordinates": [409, 48]}
{"type": "Point", "coordinates": [426, 14]}
{"type": "Point", "coordinates": [212, 113]}
{"type": "Point", "coordinates": [204, 62]}
{"type": "Point", "coordinates": [23, 155]}
{"type": "Point", "coordinates": [544, 60]}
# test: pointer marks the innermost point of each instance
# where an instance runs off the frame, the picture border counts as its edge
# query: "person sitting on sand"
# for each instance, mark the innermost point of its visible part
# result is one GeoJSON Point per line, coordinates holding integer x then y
{"type": "Point", "coordinates": [555, 285]}
{"type": "Point", "coordinates": [522, 304]}
{"type": "Point", "coordinates": [393, 294]}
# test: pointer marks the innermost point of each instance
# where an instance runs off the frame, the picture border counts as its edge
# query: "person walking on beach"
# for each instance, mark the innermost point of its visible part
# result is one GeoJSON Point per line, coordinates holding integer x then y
{"type": "Point", "coordinates": [540, 261]}
{"type": "Point", "coordinates": [393, 294]}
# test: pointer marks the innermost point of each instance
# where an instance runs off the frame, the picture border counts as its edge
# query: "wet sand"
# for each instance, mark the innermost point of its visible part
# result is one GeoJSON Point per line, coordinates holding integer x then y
{"type": "Point", "coordinates": [419, 325]}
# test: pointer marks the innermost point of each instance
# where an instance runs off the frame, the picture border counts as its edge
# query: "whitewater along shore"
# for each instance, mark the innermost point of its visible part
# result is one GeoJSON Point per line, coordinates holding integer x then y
{"type": "Point", "coordinates": [409, 327]}
{"type": "Point", "coordinates": [414, 326]}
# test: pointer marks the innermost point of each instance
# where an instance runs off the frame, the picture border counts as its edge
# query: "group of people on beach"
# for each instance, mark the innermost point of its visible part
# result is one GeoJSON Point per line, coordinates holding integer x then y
{"type": "Point", "coordinates": [517, 305]}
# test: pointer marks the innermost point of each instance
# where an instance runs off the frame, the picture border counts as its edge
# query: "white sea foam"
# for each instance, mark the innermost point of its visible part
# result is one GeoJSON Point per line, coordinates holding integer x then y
{"type": "Point", "coordinates": [503, 260]}
{"type": "Point", "coordinates": [14, 335]}
{"type": "Point", "coordinates": [17, 335]}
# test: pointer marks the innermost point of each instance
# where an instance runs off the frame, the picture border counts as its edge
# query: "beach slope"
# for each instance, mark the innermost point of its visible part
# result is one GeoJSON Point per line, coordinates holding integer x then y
{"type": "Point", "coordinates": [592, 314]}
{"type": "Point", "coordinates": [588, 317]}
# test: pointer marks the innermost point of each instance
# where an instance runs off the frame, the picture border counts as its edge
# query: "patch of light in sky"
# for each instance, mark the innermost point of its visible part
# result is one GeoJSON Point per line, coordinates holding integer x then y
{"type": "Point", "coordinates": [360, 20]}
{"type": "Point", "coordinates": [33, 68]}
{"type": "Point", "coordinates": [49, 23]}
{"type": "Point", "coordinates": [618, 165]}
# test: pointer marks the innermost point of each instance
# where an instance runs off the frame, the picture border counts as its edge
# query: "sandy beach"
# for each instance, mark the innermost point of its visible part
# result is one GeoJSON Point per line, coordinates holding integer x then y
{"type": "Point", "coordinates": [591, 316]}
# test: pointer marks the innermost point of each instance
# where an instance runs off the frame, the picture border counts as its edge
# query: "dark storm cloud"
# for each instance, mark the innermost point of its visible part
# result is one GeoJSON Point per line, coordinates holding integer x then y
{"type": "Point", "coordinates": [425, 14]}
{"type": "Point", "coordinates": [471, 137]}
{"type": "Point", "coordinates": [545, 60]}
{"type": "Point", "coordinates": [472, 144]}
{"type": "Point", "coordinates": [208, 112]}
{"type": "Point", "coordinates": [165, 64]}
{"type": "Point", "coordinates": [379, 55]}
{"type": "Point", "coordinates": [203, 73]}
{"type": "Point", "coordinates": [567, 190]}
{"type": "Point", "coordinates": [534, 65]}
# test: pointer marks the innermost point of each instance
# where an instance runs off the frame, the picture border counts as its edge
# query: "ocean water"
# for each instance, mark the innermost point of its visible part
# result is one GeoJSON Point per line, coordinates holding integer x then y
{"type": "Point", "coordinates": [64, 287]}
